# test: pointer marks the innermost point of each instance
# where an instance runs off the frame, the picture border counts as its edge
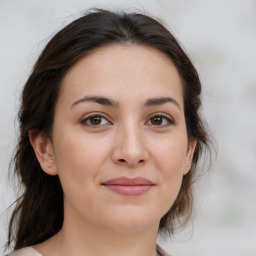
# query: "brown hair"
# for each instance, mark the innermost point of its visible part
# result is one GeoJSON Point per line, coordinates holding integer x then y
{"type": "Point", "coordinates": [39, 210]}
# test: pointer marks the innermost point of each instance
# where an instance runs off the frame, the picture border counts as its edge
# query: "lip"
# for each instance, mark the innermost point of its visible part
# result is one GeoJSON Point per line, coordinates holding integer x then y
{"type": "Point", "coordinates": [129, 186]}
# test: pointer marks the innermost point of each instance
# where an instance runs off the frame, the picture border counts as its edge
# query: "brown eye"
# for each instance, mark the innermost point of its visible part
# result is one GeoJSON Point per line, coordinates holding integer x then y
{"type": "Point", "coordinates": [95, 120]}
{"type": "Point", "coordinates": [160, 120]}
{"type": "Point", "coordinates": [157, 120]}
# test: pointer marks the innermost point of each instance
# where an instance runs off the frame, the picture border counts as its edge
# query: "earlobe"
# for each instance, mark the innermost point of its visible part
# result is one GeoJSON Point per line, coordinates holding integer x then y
{"type": "Point", "coordinates": [189, 156]}
{"type": "Point", "coordinates": [44, 151]}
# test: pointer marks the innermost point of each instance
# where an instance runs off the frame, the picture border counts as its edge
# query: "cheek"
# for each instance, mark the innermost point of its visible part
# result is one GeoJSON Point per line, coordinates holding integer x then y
{"type": "Point", "coordinates": [170, 155]}
{"type": "Point", "coordinates": [79, 159]}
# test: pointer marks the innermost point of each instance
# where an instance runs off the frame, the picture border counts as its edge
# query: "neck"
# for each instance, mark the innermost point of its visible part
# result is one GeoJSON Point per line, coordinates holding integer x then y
{"type": "Point", "coordinates": [98, 241]}
{"type": "Point", "coordinates": [84, 239]}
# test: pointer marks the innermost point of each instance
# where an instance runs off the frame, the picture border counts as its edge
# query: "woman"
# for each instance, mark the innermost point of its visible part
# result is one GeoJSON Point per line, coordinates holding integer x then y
{"type": "Point", "coordinates": [110, 137]}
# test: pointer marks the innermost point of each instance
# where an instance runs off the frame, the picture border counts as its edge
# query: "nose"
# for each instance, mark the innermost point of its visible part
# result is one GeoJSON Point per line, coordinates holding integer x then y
{"type": "Point", "coordinates": [130, 148]}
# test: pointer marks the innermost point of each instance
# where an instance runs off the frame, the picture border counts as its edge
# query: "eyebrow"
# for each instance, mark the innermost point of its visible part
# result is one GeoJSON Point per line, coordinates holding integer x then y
{"type": "Point", "coordinates": [112, 103]}
{"type": "Point", "coordinates": [97, 99]}
{"type": "Point", "coordinates": [160, 101]}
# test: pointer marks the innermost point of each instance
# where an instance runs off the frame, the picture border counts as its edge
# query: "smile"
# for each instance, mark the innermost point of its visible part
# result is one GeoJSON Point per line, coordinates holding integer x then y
{"type": "Point", "coordinates": [129, 186]}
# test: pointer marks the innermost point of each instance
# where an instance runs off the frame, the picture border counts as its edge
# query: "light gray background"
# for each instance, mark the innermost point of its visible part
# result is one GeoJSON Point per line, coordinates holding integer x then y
{"type": "Point", "coordinates": [220, 37]}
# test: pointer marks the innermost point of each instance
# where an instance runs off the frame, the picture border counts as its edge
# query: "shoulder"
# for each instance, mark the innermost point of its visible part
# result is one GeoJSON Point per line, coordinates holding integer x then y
{"type": "Point", "coordinates": [161, 252]}
{"type": "Point", "coordinates": [26, 251]}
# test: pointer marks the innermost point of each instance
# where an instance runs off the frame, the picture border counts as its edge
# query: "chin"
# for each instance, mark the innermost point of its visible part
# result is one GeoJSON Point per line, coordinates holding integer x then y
{"type": "Point", "coordinates": [133, 219]}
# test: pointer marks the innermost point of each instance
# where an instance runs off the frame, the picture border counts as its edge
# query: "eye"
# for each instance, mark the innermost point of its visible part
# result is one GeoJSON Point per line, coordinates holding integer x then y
{"type": "Point", "coordinates": [161, 120]}
{"type": "Point", "coordinates": [95, 120]}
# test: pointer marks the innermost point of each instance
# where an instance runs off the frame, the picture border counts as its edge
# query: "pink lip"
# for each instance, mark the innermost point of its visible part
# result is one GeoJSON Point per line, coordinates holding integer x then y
{"type": "Point", "coordinates": [129, 186]}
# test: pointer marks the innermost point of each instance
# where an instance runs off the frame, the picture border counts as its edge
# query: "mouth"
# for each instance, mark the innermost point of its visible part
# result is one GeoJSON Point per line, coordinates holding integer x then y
{"type": "Point", "coordinates": [129, 186]}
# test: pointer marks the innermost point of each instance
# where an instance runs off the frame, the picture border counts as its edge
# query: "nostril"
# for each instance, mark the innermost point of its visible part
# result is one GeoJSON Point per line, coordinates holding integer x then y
{"type": "Point", "coordinates": [122, 161]}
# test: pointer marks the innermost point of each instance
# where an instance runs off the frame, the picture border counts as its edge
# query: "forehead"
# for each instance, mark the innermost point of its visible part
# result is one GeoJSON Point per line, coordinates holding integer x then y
{"type": "Point", "coordinates": [123, 71]}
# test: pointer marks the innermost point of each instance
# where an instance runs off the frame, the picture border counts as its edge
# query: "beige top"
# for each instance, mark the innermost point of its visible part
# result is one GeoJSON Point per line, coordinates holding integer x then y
{"type": "Point", "coordinates": [29, 251]}
{"type": "Point", "coordinates": [161, 252]}
{"type": "Point", "coordinates": [26, 251]}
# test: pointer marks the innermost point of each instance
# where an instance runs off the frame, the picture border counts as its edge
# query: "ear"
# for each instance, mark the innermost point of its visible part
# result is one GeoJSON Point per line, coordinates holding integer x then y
{"type": "Point", "coordinates": [44, 151]}
{"type": "Point", "coordinates": [189, 155]}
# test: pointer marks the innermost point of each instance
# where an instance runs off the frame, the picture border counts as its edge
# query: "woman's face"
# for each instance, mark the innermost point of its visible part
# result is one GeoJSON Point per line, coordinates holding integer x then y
{"type": "Point", "coordinates": [119, 141]}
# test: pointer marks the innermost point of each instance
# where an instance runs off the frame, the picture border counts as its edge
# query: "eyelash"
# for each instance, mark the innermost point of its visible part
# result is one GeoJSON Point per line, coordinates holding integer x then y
{"type": "Point", "coordinates": [89, 117]}
{"type": "Point", "coordinates": [167, 117]}
{"type": "Point", "coordinates": [92, 115]}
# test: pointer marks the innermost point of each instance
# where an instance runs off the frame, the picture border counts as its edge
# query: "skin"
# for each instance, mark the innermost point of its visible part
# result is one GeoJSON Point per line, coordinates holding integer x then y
{"type": "Point", "coordinates": [123, 140]}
